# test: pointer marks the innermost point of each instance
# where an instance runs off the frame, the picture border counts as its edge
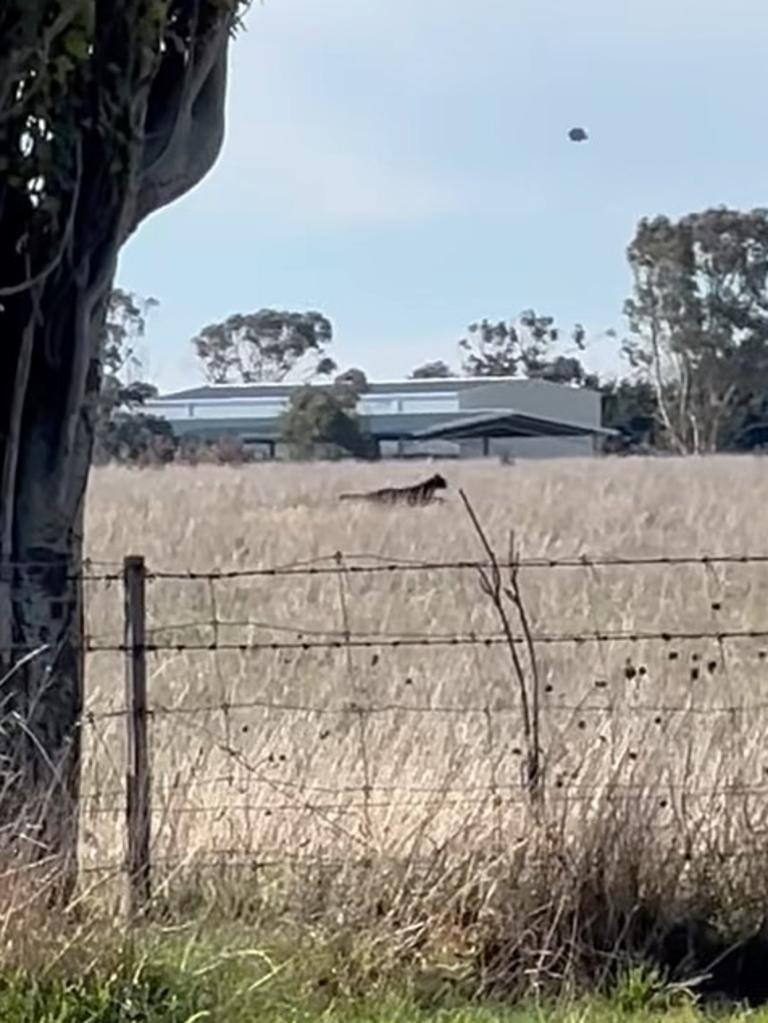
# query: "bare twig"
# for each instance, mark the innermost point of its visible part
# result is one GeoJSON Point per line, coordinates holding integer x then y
{"type": "Point", "coordinates": [514, 593]}
{"type": "Point", "coordinates": [493, 587]}
{"type": "Point", "coordinates": [31, 656]}
{"type": "Point", "coordinates": [360, 708]}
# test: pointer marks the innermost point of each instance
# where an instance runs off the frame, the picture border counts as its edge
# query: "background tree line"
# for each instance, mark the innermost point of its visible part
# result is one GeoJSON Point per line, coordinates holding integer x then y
{"type": "Point", "coordinates": [695, 351]}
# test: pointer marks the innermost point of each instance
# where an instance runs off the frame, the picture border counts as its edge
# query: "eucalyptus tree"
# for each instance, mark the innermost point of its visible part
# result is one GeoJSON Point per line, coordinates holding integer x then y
{"type": "Point", "coordinates": [109, 110]}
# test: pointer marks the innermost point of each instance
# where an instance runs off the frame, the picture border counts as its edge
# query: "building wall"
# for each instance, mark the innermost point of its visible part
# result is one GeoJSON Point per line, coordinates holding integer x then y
{"type": "Point", "coordinates": [394, 411]}
{"type": "Point", "coordinates": [420, 449]}
{"type": "Point", "coordinates": [530, 447]}
{"type": "Point", "coordinates": [537, 397]}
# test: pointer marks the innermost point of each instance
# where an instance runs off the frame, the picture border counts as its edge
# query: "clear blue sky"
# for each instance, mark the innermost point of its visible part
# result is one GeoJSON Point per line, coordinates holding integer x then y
{"type": "Point", "coordinates": [404, 167]}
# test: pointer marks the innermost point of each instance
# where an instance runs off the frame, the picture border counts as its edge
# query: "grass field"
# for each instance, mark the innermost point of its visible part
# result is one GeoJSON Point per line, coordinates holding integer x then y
{"type": "Point", "coordinates": [386, 783]}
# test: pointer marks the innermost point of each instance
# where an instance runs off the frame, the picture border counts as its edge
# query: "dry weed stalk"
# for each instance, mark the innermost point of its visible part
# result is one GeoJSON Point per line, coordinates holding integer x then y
{"type": "Point", "coordinates": [359, 708]}
{"type": "Point", "coordinates": [25, 840]}
{"type": "Point", "coordinates": [527, 678]}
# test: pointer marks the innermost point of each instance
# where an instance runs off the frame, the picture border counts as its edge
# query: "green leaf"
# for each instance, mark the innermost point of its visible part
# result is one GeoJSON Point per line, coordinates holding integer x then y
{"type": "Point", "coordinates": [62, 68]}
{"type": "Point", "coordinates": [76, 45]}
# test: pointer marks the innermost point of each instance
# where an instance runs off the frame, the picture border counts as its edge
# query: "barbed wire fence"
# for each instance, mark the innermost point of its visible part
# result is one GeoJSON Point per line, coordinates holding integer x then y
{"type": "Point", "coordinates": [342, 739]}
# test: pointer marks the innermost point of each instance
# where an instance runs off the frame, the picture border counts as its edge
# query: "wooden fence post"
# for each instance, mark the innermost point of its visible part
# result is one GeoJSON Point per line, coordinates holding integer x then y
{"type": "Point", "coordinates": [138, 781]}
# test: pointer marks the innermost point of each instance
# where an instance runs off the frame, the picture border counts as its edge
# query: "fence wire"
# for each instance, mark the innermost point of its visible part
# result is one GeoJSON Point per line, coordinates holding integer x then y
{"type": "Point", "coordinates": [312, 750]}
{"type": "Point", "coordinates": [93, 570]}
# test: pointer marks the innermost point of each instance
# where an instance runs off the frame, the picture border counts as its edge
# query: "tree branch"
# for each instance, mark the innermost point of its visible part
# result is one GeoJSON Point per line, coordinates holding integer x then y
{"type": "Point", "coordinates": [657, 383]}
{"type": "Point", "coordinates": [40, 43]}
{"type": "Point", "coordinates": [186, 147]}
{"type": "Point", "coordinates": [66, 238]}
{"type": "Point", "coordinates": [10, 447]}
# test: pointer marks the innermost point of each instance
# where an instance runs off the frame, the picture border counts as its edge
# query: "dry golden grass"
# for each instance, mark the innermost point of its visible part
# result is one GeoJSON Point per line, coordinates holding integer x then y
{"type": "Point", "coordinates": [651, 745]}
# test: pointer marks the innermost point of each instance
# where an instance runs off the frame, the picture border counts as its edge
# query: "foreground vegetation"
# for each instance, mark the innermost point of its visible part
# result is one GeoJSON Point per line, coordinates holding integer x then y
{"type": "Point", "coordinates": [188, 978]}
{"type": "Point", "coordinates": [376, 794]}
{"type": "Point", "coordinates": [160, 999]}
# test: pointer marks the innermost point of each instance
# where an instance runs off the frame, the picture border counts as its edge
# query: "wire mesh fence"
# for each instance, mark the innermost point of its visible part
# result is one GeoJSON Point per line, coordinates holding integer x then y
{"type": "Point", "coordinates": [357, 705]}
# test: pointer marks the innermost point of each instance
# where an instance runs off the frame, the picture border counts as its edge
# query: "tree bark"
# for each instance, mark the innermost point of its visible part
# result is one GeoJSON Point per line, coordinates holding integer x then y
{"type": "Point", "coordinates": [136, 129]}
{"type": "Point", "coordinates": [46, 433]}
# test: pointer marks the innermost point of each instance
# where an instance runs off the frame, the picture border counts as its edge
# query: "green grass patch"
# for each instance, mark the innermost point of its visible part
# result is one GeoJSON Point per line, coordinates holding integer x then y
{"type": "Point", "coordinates": [168, 979]}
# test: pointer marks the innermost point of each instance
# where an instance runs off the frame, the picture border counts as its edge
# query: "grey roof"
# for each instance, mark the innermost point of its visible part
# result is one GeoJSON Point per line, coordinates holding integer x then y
{"type": "Point", "coordinates": [508, 423]}
{"type": "Point", "coordinates": [224, 392]}
{"type": "Point", "coordinates": [262, 428]}
{"type": "Point", "coordinates": [208, 392]}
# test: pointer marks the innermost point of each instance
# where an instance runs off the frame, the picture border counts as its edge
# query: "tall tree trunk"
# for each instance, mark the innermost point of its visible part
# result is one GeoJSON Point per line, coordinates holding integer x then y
{"type": "Point", "coordinates": [97, 140]}
{"type": "Point", "coordinates": [46, 433]}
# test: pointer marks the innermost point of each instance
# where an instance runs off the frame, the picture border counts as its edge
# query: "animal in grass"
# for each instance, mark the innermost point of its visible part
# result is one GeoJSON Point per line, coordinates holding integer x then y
{"type": "Point", "coordinates": [418, 493]}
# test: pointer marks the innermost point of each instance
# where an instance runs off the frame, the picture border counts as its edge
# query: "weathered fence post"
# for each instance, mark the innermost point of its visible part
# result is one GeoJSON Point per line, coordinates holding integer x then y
{"type": "Point", "coordinates": [138, 781]}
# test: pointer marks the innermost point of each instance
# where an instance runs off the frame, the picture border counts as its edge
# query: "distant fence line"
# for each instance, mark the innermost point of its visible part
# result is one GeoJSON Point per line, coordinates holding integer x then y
{"type": "Point", "coordinates": [139, 640]}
